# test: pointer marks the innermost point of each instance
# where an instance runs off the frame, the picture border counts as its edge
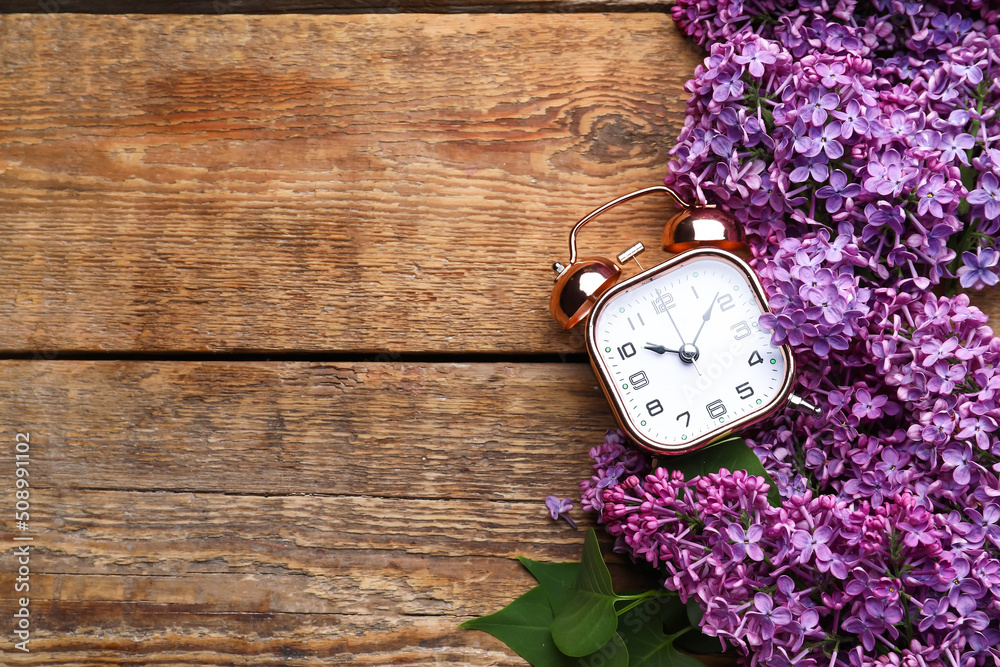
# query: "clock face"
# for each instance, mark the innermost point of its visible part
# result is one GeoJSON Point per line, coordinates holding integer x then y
{"type": "Point", "coordinates": [681, 355]}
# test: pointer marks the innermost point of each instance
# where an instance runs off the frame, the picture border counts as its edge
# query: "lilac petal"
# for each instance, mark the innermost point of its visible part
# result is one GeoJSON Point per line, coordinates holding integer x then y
{"type": "Point", "coordinates": [800, 538]}
{"type": "Point", "coordinates": [834, 149]}
{"type": "Point", "coordinates": [736, 533]}
{"type": "Point", "coordinates": [781, 616]}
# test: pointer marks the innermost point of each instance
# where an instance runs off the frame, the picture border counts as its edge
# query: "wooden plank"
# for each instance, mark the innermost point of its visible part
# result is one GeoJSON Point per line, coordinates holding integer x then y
{"type": "Point", "coordinates": [370, 523]}
{"type": "Point", "coordinates": [319, 183]}
{"type": "Point", "coordinates": [204, 533]}
{"type": "Point", "coordinates": [389, 430]}
{"type": "Point", "coordinates": [329, 6]}
{"type": "Point", "coordinates": [102, 633]}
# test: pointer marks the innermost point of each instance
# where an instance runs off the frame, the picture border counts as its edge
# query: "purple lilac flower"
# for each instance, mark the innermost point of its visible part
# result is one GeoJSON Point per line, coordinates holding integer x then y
{"type": "Point", "coordinates": [745, 543]}
{"type": "Point", "coordinates": [933, 195]}
{"type": "Point", "coordinates": [955, 147]}
{"type": "Point", "coordinates": [755, 57]}
{"type": "Point", "coordinates": [987, 195]}
{"type": "Point", "coordinates": [852, 120]}
{"type": "Point", "coordinates": [815, 110]}
{"type": "Point", "coordinates": [860, 149]}
{"type": "Point", "coordinates": [560, 509]}
{"type": "Point", "coordinates": [978, 268]}
{"type": "Point", "coordinates": [838, 190]}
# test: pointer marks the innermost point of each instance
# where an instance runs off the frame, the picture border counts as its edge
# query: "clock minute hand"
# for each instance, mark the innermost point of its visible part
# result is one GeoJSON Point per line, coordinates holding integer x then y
{"type": "Point", "coordinates": [705, 317]}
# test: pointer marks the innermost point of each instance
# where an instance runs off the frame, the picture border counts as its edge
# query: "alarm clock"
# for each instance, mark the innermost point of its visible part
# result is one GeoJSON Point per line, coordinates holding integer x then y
{"type": "Point", "coordinates": [677, 348]}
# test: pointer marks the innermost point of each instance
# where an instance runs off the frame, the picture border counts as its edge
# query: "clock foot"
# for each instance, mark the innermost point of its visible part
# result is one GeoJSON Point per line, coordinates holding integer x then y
{"type": "Point", "coordinates": [802, 404]}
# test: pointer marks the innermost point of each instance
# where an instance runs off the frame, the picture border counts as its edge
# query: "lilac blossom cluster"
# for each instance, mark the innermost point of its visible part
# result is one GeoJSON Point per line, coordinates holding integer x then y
{"type": "Point", "coordinates": [859, 145]}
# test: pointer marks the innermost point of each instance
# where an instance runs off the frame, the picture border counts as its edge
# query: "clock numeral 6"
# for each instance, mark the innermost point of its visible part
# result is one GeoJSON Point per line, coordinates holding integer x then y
{"type": "Point", "coordinates": [744, 390]}
{"type": "Point", "coordinates": [716, 409]}
{"type": "Point", "coordinates": [638, 380]}
{"type": "Point", "coordinates": [654, 407]}
{"type": "Point", "coordinates": [627, 350]}
{"type": "Point", "coordinates": [740, 330]}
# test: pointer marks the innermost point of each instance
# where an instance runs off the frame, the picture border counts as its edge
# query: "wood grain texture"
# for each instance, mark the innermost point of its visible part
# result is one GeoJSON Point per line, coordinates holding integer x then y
{"type": "Point", "coordinates": [328, 6]}
{"type": "Point", "coordinates": [482, 431]}
{"type": "Point", "coordinates": [252, 513]}
{"type": "Point", "coordinates": [318, 183]}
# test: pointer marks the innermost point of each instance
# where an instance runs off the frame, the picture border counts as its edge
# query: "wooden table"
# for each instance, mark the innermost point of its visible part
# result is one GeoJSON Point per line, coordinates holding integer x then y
{"type": "Point", "coordinates": [275, 316]}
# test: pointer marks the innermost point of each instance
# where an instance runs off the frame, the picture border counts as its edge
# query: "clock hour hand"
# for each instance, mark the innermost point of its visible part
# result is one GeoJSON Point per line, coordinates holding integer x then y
{"type": "Point", "coordinates": [659, 349]}
{"type": "Point", "coordinates": [705, 317]}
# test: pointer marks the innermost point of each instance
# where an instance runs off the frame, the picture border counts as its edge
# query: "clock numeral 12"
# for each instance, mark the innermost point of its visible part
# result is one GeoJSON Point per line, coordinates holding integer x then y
{"type": "Point", "coordinates": [663, 302]}
{"type": "Point", "coordinates": [716, 409]}
{"type": "Point", "coordinates": [744, 390]}
{"type": "Point", "coordinates": [654, 407]}
{"type": "Point", "coordinates": [627, 350]}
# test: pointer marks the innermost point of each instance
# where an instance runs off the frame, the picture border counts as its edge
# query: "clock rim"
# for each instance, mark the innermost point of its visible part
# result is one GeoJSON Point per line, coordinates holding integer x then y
{"type": "Point", "coordinates": [604, 380]}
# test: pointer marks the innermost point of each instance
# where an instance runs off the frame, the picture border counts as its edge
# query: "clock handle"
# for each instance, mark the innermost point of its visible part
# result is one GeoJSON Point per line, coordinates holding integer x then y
{"type": "Point", "coordinates": [611, 204]}
{"type": "Point", "coordinates": [583, 281]}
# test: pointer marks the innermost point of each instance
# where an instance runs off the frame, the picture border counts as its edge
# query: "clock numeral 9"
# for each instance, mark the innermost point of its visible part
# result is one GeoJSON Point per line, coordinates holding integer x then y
{"type": "Point", "coordinates": [726, 302]}
{"type": "Point", "coordinates": [638, 380]}
{"type": "Point", "coordinates": [654, 407]}
{"type": "Point", "coordinates": [744, 390]}
{"type": "Point", "coordinates": [627, 350]}
{"type": "Point", "coordinates": [740, 330]}
{"type": "Point", "coordinates": [716, 409]}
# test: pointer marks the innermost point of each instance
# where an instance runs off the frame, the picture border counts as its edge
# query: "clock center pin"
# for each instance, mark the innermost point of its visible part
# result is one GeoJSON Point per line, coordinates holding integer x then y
{"type": "Point", "coordinates": [688, 353]}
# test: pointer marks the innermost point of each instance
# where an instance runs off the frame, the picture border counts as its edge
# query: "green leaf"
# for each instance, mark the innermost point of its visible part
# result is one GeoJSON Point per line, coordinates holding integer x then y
{"type": "Point", "coordinates": [523, 625]}
{"type": "Point", "coordinates": [588, 621]}
{"type": "Point", "coordinates": [732, 454]}
{"type": "Point", "coordinates": [612, 654]}
{"type": "Point", "coordinates": [697, 642]}
{"type": "Point", "coordinates": [648, 645]}
{"type": "Point", "coordinates": [557, 580]}
{"type": "Point", "coordinates": [694, 612]}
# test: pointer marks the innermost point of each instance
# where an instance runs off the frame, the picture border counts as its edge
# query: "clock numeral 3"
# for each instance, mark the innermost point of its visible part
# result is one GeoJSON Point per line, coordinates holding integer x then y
{"type": "Point", "coordinates": [744, 390]}
{"type": "Point", "coordinates": [740, 330]}
{"type": "Point", "coordinates": [726, 302]}
{"type": "Point", "coordinates": [755, 358]}
{"type": "Point", "coordinates": [639, 380]}
{"type": "Point", "coordinates": [686, 414]}
{"type": "Point", "coordinates": [627, 350]}
{"type": "Point", "coordinates": [654, 407]}
{"type": "Point", "coordinates": [716, 409]}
